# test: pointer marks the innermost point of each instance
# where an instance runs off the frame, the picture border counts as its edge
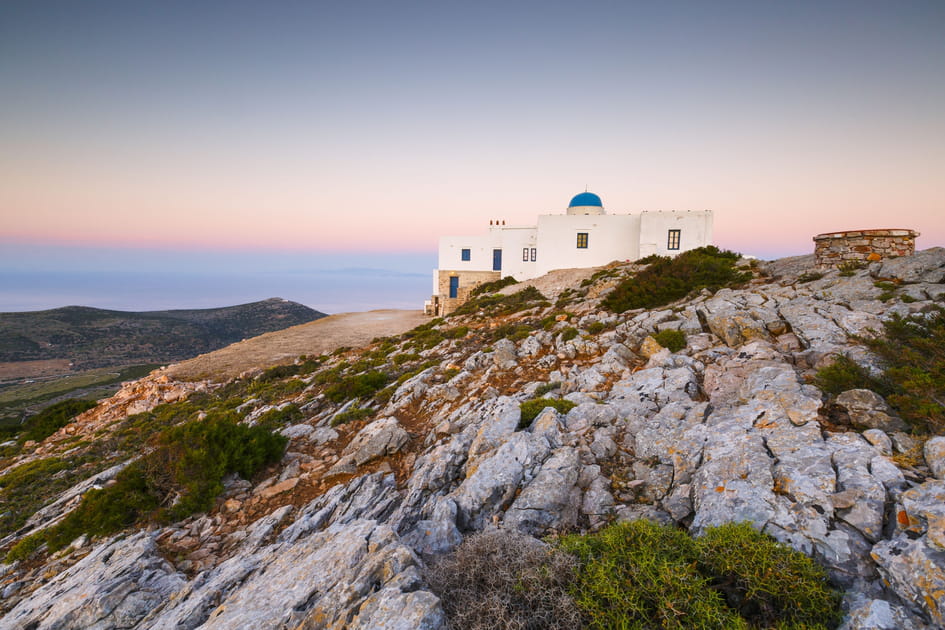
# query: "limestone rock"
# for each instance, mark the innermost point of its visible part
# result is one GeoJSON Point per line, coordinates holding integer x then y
{"type": "Point", "coordinates": [868, 410]}
{"type": "Point", "coordinates": [115, 586]}
{"type": "Point", "coordinates": [934, 451]}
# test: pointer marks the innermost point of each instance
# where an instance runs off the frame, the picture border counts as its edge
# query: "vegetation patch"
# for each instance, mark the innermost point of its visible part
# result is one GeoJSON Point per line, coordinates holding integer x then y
{"type": "Point", "coordinates": [182, 475]}
{"type": "Point", "coordinates": [495, 286]}
{"type": "Point", "coordinates": [352, 414]}
{"type": "Point", "coordinates": [53, 418]}
{"type": "Point", "coordinates": [544, 388]}
{"type": "Point", "coordinates": [275, 419]}
{"type": "Point", "coordinates": [499, 304]}
{"type": "Point", "coordinates": [674, 340]}
{"type": "Point", "coordinates": [569, 333]}
{"type": "Point", "coordinates": [644, 575]}
{"type": "Point", "coordinates": [809, 276]}
{"type": "Point", "coordinates": [666, 280]}
{"type": "Point", "coordinates": [912, 349]}
{"type": "Point", "coordinates": [531, 408]}
{"type": "Point", "coordinates": [357, 386]}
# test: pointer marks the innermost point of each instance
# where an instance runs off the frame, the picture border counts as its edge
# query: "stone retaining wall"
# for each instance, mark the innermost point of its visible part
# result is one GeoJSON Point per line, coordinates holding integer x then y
{"type": "Point", "coordinates": [836, 248]}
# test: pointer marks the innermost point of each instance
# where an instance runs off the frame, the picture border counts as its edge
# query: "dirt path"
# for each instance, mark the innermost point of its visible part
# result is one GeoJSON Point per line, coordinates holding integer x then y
{"type": "Point", "coordinates": [284, 346]}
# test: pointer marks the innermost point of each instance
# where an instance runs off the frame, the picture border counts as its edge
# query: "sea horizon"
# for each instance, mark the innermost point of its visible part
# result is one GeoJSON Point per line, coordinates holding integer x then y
{"type": "Point", "coordinates": [329, 291]}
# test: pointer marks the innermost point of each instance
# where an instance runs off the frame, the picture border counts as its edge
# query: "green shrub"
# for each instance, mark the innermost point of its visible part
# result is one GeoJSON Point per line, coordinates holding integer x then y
{"type": "Point", "coordinates": [352, 414]}
{"type": "Point", "coordinates": [280, 372]}
{"type": "Point", "coordinates": [569, 333]}
{"type": "Point", "coordinates": [449, 373]}
{"type": "Point", "coordinates": [844, 374]}
{"type": "Point", "coordinates": [512, 331]}
{"type": "Point", "coordinates": [499, 304]}
{"type": "Point", "coordinates": [357, 386]}
{"type": "Point", "coordinates": [53, 418]}
{"type": "Point", "coordinates": [495, 286]}
{"type": "Point", "coordinates": [809, 276]}
{"type": "Point", "coordinates": [674, 340]}
{"type": "Point", "coordinates": [405, 357]}
{"type": "Point", "coordinates": [531, 408]}
{"type": "Point", "coordinates": [27, 487]}
{"type": "Point", "coordinates": [596, 327]}
{"type": "Point", "coordinates": [504, 579]}
{"type": "Point", "coordinates": [275, 419]}
{"type": "Point", "coordinates": [913, 351]}
{"type": "Point", "coordinates": [766, 582]}
{"type": "Point", "coordinates": [666, 280]}
{"type": "Point", "coordinates": [182, 475]}
{"type": "Point", "coordinates": [547, 387]}
{"type": "Point", "coordinates": [642, 575]}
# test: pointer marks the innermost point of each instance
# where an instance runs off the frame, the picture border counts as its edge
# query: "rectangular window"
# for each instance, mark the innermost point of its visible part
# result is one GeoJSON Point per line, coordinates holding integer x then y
{"type": "Point", "coordinates": [672, 241]}
{"type": "Point", "coordinates": [525, 254]}
{"type": "Point", "coordinates": [534, 254]}
{"type": "Point", "coordinates": [464, 254]}
{"type": "Point", "coordinates": [582, 240]}
{"type": "Point", "coordinates": [454, 286]}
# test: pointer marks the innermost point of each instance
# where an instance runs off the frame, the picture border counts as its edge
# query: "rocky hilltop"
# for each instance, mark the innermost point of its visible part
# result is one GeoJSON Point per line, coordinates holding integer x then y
{"type": "Point", "coordinates": [399, 450]}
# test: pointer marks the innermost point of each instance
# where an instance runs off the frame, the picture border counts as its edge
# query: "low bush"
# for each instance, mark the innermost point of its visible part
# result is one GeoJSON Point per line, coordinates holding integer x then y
{"type": "Point", "coordinates": [499, 304]}
{"type": "Point", "coordinates": [674, 340]}
{"type": "Point", "coordinates": [53, 418]}
{"type": "Point", "coordinates": [495, 286]}
{"type": "Point", "coordinates": [182, 475]}
{"type": "Point", "coordinates": [357, 386]}
{"type": "Point", "coordinates": [503, 579]}
{"type": "Point", "coordinates": [275, 419]}
{"type": "Point", "coordinates": [843, 374]}
{"type": "Point", "coordinates": [512, 331]}
{"type": "Point", "coordinates": [531, 408]}
{"type": "Point", "coordinates": [351, 414]}
{"type": "Point", "coordinates": [912, 350]}
{"type": "Point", "coordinates": [768, 583]}
{"type": "Point", "coordinates": [596, 327]}
{"type": "Point", "coordinates": [644, 575]}
{"type": "Point", "coordinates": [809, 276]}
{"type": "Point", "coordinates": [666, 280]}
{"type": "Point", "coordinates": [544, 388]}
{"type": "Point", "coordinates": [569, 333]}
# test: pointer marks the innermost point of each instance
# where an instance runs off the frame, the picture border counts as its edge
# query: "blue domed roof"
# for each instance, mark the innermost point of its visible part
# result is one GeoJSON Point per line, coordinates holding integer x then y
{"type": "Point", "coordinates": [585, 199]}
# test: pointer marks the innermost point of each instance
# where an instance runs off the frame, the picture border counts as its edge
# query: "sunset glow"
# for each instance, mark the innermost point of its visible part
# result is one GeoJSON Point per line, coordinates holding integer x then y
{"type": "Point", "coordinates": [377, 127]}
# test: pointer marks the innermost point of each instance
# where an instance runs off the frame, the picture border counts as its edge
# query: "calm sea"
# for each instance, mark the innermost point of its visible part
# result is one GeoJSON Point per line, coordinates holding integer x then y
{"type": "Point", "coordinates": [332, 291]}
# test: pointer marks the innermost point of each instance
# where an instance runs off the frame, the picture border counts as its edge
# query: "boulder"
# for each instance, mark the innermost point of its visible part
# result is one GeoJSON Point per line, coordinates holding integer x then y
{"type": "Point", "coordinates": [934, 451]}
{"type": "Point", "coordinates": [868, 410]}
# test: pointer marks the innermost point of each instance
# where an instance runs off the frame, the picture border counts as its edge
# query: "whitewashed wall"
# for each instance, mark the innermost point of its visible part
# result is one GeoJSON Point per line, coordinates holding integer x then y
{"type": "Point", "coordinates": [695, 231]}
{"type": "Point", "coordinates": [610, 237]}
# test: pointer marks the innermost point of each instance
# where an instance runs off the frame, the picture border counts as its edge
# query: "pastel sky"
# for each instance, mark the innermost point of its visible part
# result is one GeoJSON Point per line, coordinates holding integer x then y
{"type": "Point", "coordinates": [362, 126]}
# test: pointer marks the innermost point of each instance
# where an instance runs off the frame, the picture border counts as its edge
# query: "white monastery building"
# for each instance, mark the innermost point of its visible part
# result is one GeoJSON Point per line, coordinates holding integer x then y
{"type": "Point", "coordinates": [584, 236]}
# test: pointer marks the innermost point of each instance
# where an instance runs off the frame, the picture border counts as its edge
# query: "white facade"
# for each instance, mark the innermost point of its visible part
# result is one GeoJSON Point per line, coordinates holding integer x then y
{"type": "Point", "coordinates": [585, 236]}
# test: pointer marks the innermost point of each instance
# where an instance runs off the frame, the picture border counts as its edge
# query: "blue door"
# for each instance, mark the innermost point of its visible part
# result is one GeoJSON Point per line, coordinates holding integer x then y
{"type": "Point", "coordinates": [496, 260]}
{"type": "Point", "coordinates": [454, 286]}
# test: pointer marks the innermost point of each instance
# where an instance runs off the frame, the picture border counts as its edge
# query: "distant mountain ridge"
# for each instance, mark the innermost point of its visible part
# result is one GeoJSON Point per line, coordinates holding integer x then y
{"type": "Point", "coordinates": [92, 337]}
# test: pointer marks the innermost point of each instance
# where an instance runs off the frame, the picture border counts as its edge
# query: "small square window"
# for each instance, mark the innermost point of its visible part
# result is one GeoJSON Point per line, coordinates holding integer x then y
{"type": "Point", "coordinates": [525, 254]}
{"type": "Point", "coordinates": [534, 253]}
{"type": "Point", "coordinates": [672, 240]}
{"type": "Point", "coordinates": [582, 240]}
{"type": "Point", "coordinates": [464, 254]}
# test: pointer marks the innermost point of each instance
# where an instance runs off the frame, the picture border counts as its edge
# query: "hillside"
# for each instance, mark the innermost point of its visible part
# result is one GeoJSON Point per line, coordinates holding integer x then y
{"type": "Point", "coordinates": [92, 338]}
{"type": "Point", "coordinates": [339, 485]}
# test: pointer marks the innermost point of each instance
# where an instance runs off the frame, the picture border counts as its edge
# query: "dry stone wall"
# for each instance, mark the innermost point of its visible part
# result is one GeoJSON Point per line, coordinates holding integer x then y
{"type": "Point", "coordinates": [835, 248]}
